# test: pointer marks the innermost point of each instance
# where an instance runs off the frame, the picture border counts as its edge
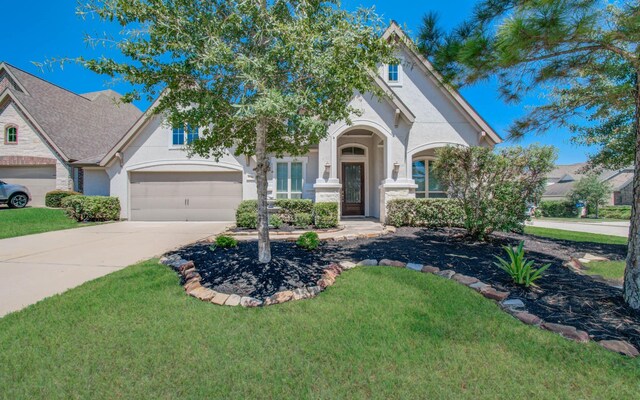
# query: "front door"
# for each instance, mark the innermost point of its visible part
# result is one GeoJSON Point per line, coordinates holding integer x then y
{"type": "Point", "coordinates": [352, 188]}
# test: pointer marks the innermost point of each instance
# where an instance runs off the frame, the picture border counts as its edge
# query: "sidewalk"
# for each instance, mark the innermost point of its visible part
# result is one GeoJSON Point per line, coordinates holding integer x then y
{"type": "Point", "coordinates": [603, 228]}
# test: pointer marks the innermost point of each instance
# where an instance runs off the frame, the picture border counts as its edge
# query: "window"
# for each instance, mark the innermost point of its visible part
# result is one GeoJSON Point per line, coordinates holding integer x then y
{"type": "Point", "coordinates": [393, 74]}
{"type": "Point", "coordinates": [179, 135]}
{"type": "Point", "coordinates": [353, 151]}
{"type": "Point", "coordinates": [11, 135]}
{"type": "Point", "coordinates": [428, 185]}
{"type": "Point", "coordinates": [289, 180]}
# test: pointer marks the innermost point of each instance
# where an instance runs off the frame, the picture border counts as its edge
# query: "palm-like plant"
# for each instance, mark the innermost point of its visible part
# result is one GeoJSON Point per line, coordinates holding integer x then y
{"type": "Point", "coordinates": [519, 268]}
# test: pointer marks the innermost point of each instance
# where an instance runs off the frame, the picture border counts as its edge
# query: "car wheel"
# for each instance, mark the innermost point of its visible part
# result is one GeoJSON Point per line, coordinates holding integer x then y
{"type": "Point", "coordinates": [18, 200]}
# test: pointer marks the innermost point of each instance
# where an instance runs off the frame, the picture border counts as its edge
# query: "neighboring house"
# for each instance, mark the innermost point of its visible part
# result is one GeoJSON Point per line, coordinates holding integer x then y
{"type": "Point", "coordinates": [45, 128]}
{"type": "Point", "coordinates": [560, 182]}
{"type": "Point", "coordinates": [385, 154]}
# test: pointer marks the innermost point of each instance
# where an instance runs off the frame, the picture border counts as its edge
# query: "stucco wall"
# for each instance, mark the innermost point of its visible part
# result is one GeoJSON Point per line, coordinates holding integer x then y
{"type": "Point", "coordinates": [30, 143]}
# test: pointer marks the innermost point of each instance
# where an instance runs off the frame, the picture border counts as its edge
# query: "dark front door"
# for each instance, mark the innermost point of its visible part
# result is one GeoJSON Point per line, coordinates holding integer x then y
{"type": "Point", "coordinates": [352, 188]}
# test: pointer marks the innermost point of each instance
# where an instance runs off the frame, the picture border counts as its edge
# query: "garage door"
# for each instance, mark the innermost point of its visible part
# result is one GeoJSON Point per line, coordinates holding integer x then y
{"type": "Point", "coordinates": [185, 196]}
{"type": "Point", "coordinates": [38, 179]}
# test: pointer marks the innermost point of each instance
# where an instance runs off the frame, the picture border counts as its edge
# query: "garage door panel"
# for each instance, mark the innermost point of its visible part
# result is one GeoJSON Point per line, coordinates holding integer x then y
{"type": "Point", "coordinates": [39, 180]}
{"type": "Point", "coordinates": [184, 196]}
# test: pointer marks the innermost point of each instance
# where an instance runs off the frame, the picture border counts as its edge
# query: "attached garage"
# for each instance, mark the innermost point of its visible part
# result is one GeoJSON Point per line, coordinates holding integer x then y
{"type": "Point", "coordinates": [184, 196]}
{"type": "Point", "coordinates": [39, 179]}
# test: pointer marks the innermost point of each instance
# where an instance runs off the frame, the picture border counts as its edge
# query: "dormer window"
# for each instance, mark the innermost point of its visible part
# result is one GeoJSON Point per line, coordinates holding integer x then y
{"type": "Point", "coordinates": [393, 73]}
{"type": "Point", "coordinates": [11, 135]}
{"type": "Point", "coordinates": [179, 133]}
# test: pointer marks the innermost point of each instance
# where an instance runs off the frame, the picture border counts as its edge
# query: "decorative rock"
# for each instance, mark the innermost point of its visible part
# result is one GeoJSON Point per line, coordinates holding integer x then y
{"type": "Point", "coordinates": [347, 265]}
{"type": "Point", "coordinates": [429, 269]}
{"type": "Point", "coordinates": [478, 286]}
{"type": "Point", "coordinates": [528, 318]}
{"type": "Point", "coordinates": [329, 274]}
{"type": "Point", "coordinates": [414, 266]}
{"type": "Point", "coordinates": [447, 273]}
{"type": "Point", "coordinates": [314, 290]}
{"type": "Point", "coordinates": [464, 279]}
{"type": "Point", "coordinates": [334, 268]}
{"type": "Point", "coordinates": [281, 297]}
{"type": "Point", "coordinates": [191, 285]}
{"type": "Point", "coordinates": [301, 293]}
{"type": "Point", "coordinates": [186, 266]}
{"type": "Point", "coordinates": [390, 229]}
{"type": "Point", "coordinates": [391, 263]}
{"type": "Point", "coordinates": [203, 293]}
{"type": "Point", "coordinates": [574, 264]}
{"type": "Point", "coordinates": [584, 260]}
{"type": "Point", "coordinates": [592, 257]}
{"type": "Point", "coordinates": [620, 346]}
{"type": "Point", "coordinates": [250, 302]}
{"type": "Point", "coordinates": [220, 298]}
{"type": "Point", "coordinates": [368, 263]}
{"type": "Point", "coordinates": [325, 282]}
{"type": "Point", "coordinates": [567, 331]}
{"type": "Point", "coordinates": [191, 274]}
{"type": "Point", "coordinates": [513, 304]}
{"type": "Point", "coordinates": [233, 300]}
{"type": "Point", "coordinates": [493, 294]}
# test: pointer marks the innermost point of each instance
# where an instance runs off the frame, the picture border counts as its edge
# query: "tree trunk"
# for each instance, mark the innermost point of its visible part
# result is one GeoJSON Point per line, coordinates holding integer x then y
{"type": "Point", "coordinates": [631, 289]}
{"type": "Point", "coordinates": [262, 169]}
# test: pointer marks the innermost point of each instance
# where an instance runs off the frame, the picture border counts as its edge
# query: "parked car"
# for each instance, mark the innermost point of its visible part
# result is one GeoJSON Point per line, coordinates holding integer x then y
{"type": "Point", "coordinates": [16, 196]}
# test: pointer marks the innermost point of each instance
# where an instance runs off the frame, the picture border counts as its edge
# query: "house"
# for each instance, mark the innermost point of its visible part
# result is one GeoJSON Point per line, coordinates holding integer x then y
{"type": "Point", "coordinates": [46, 128]}
{"type": "Point", "coordinates": [560, 182]}
{"type": "Point", "coordinates": [386, 153]}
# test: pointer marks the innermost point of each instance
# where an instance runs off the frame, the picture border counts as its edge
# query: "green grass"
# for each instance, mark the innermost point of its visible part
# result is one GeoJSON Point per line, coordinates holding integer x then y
{"type": "Point", "coordinates": [27, 221]}
{"type": "Point", "coordinates": [382, 333]}
{"type": "Point", "coordinates": [582, 220]}
{"type": "Point", "coordinates": [607, 269]}
{"type": "Point", "coordinates": [574, 236]}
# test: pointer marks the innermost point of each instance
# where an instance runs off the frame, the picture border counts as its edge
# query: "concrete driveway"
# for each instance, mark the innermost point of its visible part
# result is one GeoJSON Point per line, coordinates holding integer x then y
{"type": "Point", "coordinates": [604, 228]}
{"type": "Point", "coordinates": [37, 266]}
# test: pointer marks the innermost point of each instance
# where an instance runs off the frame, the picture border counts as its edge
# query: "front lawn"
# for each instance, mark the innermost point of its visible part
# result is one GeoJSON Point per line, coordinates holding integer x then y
{"type": "Point", "coordinates": [574, 236]}
{"type": "Point", "coordinates": [613, 270]}
{"type": "Point", "coordinates": [27, 221]}
{"type": "Point", "coordinates": [379, 332]}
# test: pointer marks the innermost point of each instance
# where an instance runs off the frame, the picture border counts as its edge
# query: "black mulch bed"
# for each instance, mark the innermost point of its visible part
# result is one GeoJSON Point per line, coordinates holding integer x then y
{"type": "Point", "coordinates": [562, 296]}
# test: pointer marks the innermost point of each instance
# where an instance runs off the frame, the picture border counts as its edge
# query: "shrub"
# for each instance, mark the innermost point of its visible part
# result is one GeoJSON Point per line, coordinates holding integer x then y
{"type": "Point", "coordinates": [425, 212]}
{"type": "Point", "coordinates": [226, 242]}
{"type": "Point", "coordinates": [519, 268]}
{"type": "Point", "coordinates": [309, 241]}
{"type": "Point", "coordinates": [275, 221]}
{"type": "Point", "coordinates": [302, 220]}
{"type": "Point", "coordinates": [92, 208]}
{"type": "Point", "coordinates": [54, 198]}
{"type": "Point", "coordinates": [290, 207]}
{"type": "Point", "coordinates": [325, 215]}
{"type": "Point", "coordinates": [247, 214]}
{"type": "Point", "coordinates": [494, 188]}
{"type": "Point", "coordinates": [558, 209]}
{"type": "Point", "coordinates": [618, 212]}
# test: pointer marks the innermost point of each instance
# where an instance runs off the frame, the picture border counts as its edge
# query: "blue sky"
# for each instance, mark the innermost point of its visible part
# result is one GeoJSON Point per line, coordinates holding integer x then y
{"type": "Point", "coordinates": [52, 29]}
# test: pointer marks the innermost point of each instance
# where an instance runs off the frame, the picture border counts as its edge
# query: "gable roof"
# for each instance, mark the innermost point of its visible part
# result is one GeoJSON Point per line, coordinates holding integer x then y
{"type": "Point", "coordinates": [562, 178]}
{"type": "Point", "coordinates": [468, 111]}
{"type": "Point", "coordinates": [77, 126]}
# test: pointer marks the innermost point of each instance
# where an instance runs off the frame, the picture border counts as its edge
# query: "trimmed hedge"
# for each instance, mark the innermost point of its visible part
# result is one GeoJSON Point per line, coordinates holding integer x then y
{"type": "Point", "coordinates": [296, 212]}
{"type": "Point", "coordinates": [54, 198]}
{"type": "Point", "coordinates": [325, 215]}
{"type": "Point", "coordinates": [618, 212]}
{"type": "Point", "coordinates": [558, 209]}
{"type": "Point", "coordinates": [92, 208]}
{"type": "Point", "coordinates": [425, 212]}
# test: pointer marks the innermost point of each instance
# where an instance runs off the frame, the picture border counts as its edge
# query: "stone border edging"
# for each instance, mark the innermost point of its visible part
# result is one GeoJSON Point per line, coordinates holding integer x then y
{"type": "Point", "coordinates": [283, 233]}
{"type": "Point", "coordinates": [192, 285]}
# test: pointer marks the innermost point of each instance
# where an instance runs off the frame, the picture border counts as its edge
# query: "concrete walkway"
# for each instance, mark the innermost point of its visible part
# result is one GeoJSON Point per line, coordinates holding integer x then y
{"type": "Point", "coordinates": [37, 266]}
{"type": "Point", "coordinates": [603, 228]}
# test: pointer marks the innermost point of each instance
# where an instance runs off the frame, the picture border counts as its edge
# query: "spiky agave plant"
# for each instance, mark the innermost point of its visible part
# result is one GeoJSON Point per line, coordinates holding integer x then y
{"type": "Point", "coordinates": [519, 268]}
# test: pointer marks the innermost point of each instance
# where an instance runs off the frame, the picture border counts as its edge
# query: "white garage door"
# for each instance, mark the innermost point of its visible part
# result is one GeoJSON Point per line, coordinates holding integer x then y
{"type": "Point", "coordinates": [38, 179]}
{"type": "Point", "coordinates": [185, 196]}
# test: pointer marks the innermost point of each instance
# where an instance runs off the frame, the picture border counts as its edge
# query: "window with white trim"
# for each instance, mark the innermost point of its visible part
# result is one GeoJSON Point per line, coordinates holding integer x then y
{"type": "Point", "coordinates": [289, 179]}
{"type": "Point", "coordinates": [182, 132]}
{"type": "Point", "coordinates": [428, 184]}
{"type": "Point", "coordinates": [393, 73]}
{"type": "Point", "coordinates": [11, 134]}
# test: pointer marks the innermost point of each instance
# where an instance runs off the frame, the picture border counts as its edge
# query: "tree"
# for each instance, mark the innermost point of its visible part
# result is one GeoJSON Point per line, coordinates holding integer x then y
{"type": "Point", "coordinates": [259, 77]}
{"type": "Point", "coordinates": [583, 54]}
{"type": "Point", "coordinates": [494, 188]}
{"type": "Point", "coordinates": [592, 190]}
